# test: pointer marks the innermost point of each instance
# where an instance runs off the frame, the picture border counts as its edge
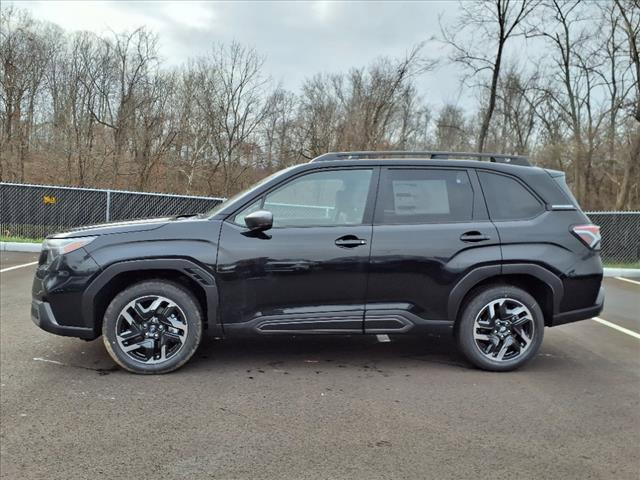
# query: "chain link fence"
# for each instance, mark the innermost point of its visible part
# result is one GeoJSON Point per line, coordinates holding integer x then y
{"type": "Point", "coordinates": [620, 237]}
{"type": "Point", "coordinates": [35, 211]}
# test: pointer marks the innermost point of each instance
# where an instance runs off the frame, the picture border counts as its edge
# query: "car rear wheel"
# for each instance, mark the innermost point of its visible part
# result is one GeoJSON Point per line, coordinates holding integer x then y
{"type": "Point", "coordinates": [501, 328]}
{"type": "Point", "coordinates": [152, 327]}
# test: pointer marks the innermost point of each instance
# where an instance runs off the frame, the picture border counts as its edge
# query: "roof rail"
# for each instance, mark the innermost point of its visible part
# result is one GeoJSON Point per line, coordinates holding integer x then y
{"type": "Point", "coordinates": [492, 157]}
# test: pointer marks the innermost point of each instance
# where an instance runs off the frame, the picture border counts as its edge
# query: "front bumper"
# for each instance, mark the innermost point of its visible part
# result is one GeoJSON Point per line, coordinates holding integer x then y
{"type": "Point", "coordinates": [56, 294]}
{"type": "Point", "coordinates": [43, 316]}
{"type": "Point", "coordinates": [580, 314]}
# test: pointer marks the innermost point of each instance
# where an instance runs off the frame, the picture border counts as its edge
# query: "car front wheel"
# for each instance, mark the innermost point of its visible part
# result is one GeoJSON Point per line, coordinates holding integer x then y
{"type": "Point", "coordinates": [152, 327]}
{"type": "Point", "coordinates": [501, 328]}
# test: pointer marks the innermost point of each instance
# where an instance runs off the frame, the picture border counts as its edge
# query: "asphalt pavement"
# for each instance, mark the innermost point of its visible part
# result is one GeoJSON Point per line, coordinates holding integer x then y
{"type": "Point", "coordinates": [320, 408]}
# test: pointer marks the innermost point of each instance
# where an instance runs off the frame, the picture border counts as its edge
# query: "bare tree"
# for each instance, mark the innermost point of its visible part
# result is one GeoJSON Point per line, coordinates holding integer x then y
{"type": "Point", "coordinates": [319, 114]}
{"type": "Point", "coordinates": [154, 129]}
{"type": "Point", "coordinates": [630, 24]}
{"type": "Point", "coordinates": [24, 55]}
{"type": "Point", "coordinates": [232, 96]}
{"type": "Point", "coordinates": [488, 26]}
{"type": "Point", "coordinates": [451, 129]}
{"type": "Point", "coordinates": [371, 108]}
{"type": "Point", "coordinates": [121, 73]}
{"type": "Point", "coordinates": [191, 144]}
{"type": "Point", "coordinates": [573, 82]}
{"type": "Point", "coordinates": [281, 146]}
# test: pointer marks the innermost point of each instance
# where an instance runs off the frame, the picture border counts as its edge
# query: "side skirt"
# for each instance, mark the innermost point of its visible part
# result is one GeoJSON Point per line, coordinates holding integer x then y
{"type": "Point", "coordinates": [299, 324]}
{"type": "Point", "coordinates": [390, 321]}
{"type": "Point", "coordinates": [403, 321]}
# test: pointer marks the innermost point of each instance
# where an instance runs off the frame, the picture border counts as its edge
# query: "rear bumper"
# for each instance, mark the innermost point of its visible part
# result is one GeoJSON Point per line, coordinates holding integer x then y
{"type": "Point", "coordinates": [581, 314]}
{"type": "Point", "coordinates": [43, 317]}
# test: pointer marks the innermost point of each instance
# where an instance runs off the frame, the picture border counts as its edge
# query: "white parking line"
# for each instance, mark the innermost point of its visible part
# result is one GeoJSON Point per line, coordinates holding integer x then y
{"type": "Point", "coordinates": [616, 327]}
{"type": "Point", "coordinates": [17, 266]}
{"type": "Point", "coordinates": [55, 362]}
{"type": "Point", "coordinates": [627, 280]}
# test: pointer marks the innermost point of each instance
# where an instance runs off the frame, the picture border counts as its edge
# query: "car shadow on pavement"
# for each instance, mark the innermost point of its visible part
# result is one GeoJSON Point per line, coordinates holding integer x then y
{"type": "Point", "coordinates": [304, 353]}
{"type": "Point", "coordinates": [338, 349]}
{"type": "Point", "coordinates": [271, 351]}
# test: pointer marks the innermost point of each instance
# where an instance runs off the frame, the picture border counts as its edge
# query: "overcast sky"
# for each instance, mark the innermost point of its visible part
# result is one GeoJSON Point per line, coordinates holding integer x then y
{"type": "Point", "coordinates": [298, 39]}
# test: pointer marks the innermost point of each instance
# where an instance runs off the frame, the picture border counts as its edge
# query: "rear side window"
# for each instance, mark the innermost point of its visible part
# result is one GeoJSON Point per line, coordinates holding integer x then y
{"type": "Point", "coordinates": [409, 196]}
{"type": "Point", "coordinates": [508, 199]}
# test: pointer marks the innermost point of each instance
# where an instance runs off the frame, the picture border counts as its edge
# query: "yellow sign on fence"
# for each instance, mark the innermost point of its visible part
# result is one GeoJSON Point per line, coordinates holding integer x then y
{"type": "Point", "coordinates": [49, 200]}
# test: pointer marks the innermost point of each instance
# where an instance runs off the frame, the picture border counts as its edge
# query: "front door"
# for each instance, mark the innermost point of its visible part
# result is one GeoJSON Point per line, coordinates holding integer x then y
{"type": "Point", "coordinates": [308, 273]}
{"type": "Point", "coordinates": [430, 228]}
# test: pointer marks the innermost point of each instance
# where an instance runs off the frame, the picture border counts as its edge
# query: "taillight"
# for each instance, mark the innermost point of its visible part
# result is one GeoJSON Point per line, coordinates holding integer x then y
{"type": "Point", "coordinates": [589, 234]}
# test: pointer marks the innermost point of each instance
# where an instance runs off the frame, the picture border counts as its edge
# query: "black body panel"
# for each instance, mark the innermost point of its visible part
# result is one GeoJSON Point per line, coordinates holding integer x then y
{"type": "Point", "coordinates": [58, 288]}
{"type": "Point", "coordinates": [115, 227]}
{"type": "Point", "coordinates": [419, 265]}
{"type": "Point", "coordinates": [292, 273]}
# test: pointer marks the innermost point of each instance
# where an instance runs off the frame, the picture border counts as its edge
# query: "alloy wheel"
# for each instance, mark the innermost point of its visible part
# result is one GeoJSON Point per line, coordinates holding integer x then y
{"type": "Point", "coordinates": [504, 329]}
{"type": "Point", "coordinates": [151, 329]}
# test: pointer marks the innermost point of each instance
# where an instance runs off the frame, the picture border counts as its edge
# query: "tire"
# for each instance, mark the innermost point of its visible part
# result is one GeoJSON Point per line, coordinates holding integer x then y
{"type": "Point", "coordinates": [152, 327]}
{"type": "Point", "coordinates": [499, 342]}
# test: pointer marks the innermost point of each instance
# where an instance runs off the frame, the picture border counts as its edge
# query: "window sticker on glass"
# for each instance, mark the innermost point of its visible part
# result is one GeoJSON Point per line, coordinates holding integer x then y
{"type": "Point", "coordinates": [421, 197]}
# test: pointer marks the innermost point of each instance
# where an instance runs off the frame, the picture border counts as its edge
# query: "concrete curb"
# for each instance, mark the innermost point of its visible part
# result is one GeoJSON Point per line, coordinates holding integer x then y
{"type": "Point", "coordinates": [622, 272]}
{"type": "Point", "coordinates": [20, 247]}
{"type": "Point", "coordinates": [36, 247]}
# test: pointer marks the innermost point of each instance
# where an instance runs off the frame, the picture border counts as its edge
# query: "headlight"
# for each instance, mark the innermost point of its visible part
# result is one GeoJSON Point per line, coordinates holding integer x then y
{"type": "Point", "coordinates": [59, 246]}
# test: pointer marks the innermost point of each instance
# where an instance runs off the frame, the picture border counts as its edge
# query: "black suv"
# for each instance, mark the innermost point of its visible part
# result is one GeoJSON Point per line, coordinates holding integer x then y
{"type": "Point", "coordinates": [349, 243]}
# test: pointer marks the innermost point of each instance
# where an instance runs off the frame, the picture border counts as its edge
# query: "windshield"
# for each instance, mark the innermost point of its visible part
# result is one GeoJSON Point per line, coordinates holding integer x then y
{"type": "Point", "coordinates": [238, 196]}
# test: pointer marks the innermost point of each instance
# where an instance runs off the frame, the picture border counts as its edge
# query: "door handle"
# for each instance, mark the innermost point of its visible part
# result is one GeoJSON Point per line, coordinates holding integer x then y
{"type": "Point", "coordinates": [350, 241]}
{"type": "Point", "coordinates": [474, 236]}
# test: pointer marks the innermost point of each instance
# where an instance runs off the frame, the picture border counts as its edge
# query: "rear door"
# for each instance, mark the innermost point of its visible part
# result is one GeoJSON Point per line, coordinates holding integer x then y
{"type": "Point", "coordinates": [430, 228]}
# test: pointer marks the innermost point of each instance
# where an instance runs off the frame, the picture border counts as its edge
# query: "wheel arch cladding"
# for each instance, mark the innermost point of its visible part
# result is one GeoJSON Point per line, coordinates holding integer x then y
{"type": "Point", "coordinates": [540, 283]}
{"type": "Point", "coordinates": [119, 276]}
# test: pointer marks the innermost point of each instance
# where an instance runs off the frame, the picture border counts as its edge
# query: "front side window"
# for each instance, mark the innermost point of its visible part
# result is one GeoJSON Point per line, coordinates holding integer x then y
{"type": "Point", "coordinates": [336, 197]}
{"type": "Point", "coordinates": [508, 199]}
{"type": "Point", "coordinates": [410, 196]}
{"type": "Point", "coordinates": [254, 207]}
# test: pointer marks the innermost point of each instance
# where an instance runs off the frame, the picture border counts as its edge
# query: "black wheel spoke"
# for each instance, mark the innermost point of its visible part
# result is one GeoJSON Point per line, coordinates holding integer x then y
{"type": "Point", "coordinates": [494, 342]}
{"type": "Point", "coordinates": [143, 314]}
{"type": "Point", "coordinates": [524, 337]}
{"type": "Point", "coordinates": [136, 345]}
{"type": "Point", "coordinates": [131, 321]}
{"type": "Point", "coordinates": [169, 337]}
{"type": "Point", "coordinates": [502, 311]}
{"type": "Point", "coordinates": [503, 348]}
{"type": "Point", "coordinates": [520, 321]}
{"type": "Point", "coordinates": [132, 336]}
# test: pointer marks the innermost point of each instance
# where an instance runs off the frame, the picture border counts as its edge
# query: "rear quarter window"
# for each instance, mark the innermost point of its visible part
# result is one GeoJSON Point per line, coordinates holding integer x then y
{"type": "Point", "coordinates": [507, 198]}
{"type": "Point", "coordinates": [560, 181]}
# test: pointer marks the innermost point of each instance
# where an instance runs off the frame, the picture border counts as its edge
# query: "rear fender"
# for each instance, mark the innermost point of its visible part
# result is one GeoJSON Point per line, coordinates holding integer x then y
{"type": "Point", "coordinates": [480, 274]}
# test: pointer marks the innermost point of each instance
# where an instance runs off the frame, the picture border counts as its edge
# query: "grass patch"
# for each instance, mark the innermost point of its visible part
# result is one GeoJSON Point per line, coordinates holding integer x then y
{"type": "Point", "coordinates": [621, 265]}
{"type": "Point", "coordinates": [5, 238]}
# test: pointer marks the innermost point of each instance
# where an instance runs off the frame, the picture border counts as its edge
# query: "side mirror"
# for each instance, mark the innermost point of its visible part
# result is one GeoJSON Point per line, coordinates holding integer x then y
{"type": "Point", "coordinates": [259, 221]}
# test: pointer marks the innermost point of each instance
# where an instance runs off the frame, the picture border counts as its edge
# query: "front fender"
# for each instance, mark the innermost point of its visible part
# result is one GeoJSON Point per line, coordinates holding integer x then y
{"type": "Point", "coordinates": [186, 267]}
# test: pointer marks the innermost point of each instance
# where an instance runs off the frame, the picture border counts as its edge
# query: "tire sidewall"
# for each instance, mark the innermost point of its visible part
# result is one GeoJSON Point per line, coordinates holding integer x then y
{"type": "Point", "coordinates": [479, 300]}
{"type": "Point", "coordinates": [175, 293]}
